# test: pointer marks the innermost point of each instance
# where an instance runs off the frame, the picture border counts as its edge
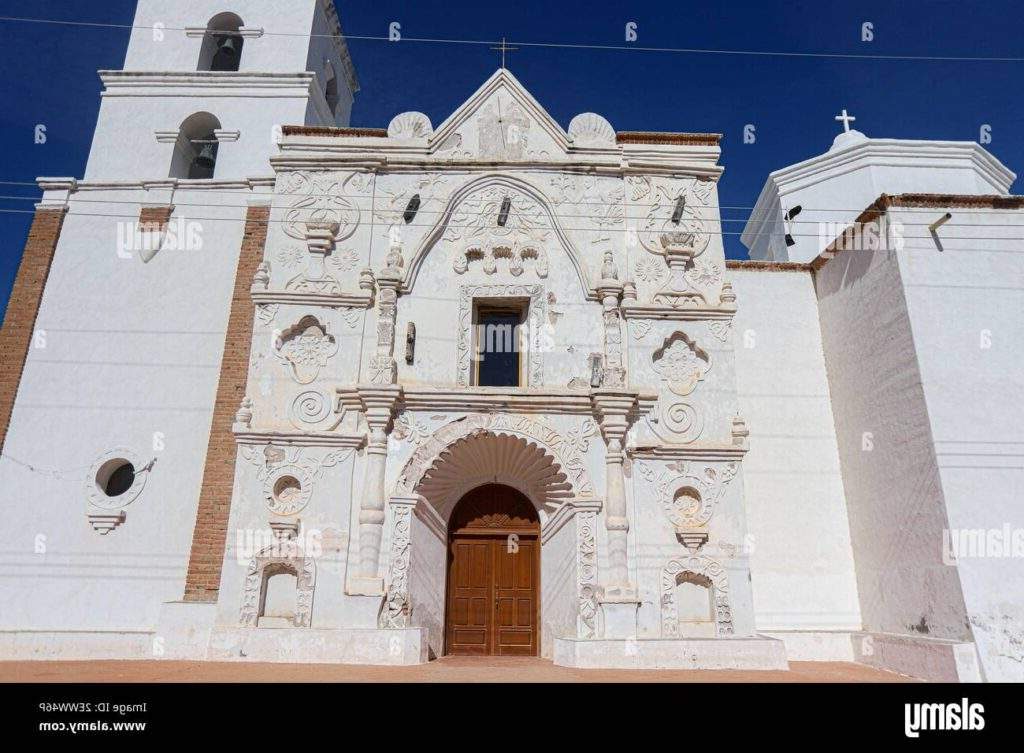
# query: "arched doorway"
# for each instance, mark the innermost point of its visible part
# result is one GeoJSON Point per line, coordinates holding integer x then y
{"type": "Point", "coordinates": [493, 584]}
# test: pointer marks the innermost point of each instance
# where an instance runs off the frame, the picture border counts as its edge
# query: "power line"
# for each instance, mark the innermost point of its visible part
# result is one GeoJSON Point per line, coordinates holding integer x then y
{"type": "Point", "coordinates": [377, 204]}
{"type": "Point", "coordinates": [627, 230]}
{"type": "Point", "coordinates": [557, 45]}
{"type": "Point", "coordinates": [557, 215]}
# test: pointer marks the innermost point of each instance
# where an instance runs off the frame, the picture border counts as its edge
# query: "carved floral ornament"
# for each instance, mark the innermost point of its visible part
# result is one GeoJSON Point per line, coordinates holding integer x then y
{"type": "Point", "coordinates": [681, 363]}
{"type": "Point", "coordinates": [306, 348]}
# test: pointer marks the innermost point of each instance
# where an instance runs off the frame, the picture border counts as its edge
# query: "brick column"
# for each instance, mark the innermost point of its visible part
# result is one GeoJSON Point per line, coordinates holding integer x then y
{"type": "Point", "coordinates": [23, 306]}
{"type": "Point", "coordinates": [210, 533]}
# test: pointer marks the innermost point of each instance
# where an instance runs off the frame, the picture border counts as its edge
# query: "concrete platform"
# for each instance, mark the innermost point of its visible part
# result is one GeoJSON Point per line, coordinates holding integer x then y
{"type": "Point", "coordinates": [755, 653]}
{"type": "Point", "coordinates": [319, 646]}
{"type": "Point", "coordinates": [448, 669]}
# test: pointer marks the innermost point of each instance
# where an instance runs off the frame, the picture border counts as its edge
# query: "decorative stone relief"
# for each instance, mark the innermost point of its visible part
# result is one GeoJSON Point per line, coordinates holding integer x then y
{"type": "Point", "coordinates": [586, 569]}
{"type": "Point", "coordinates": [300, 474]}
{"type": "Point", "coordinates": [590, 129]}
{"type": "Point", "coordinates": [689, 495]}
{"type": "Point", "coordinates": [474, 233]}
{"type": "Point", "coordinates": [290, 256]}
{"type": "Point", "coordinates": [661, 197]}
{"type": "Point", "coordinates": [266, 312]}
{"type": "Point", "coordinates": [535, 325]}
{"type": "Point", "coordinates": [640, 328]}
{"type": "Point", "coordinates": [410, 125]}
{"type": "Point", "coordinates": [595, 202]}
{"type": "Point", "coordinates": [408, 428]}
{"type": "Point", "coordinates": [721, 329]}
{"type": "Point", "coordinates": [526, 426]}
{"type": "Point", "coordinates": [313, 410]}
{"type": "Point", "coordinates": [287, 490]}
{"type": "Point", "coordinates": [681, 363]}
{"type": "Point", "coordinates": [306, 348]}
{"type": "Point", "coordinates": [284, 555]}
{"type": "Point", "coordinates": [713, 574]}
{"type": "Point", "coordinates": [327, 198]}
{"type": "Point", "coordinates": [397, 606]}
{"type": "Point", "coordinates": [503, 130]}
{"type": "Point", "coordinates": [579, 437]}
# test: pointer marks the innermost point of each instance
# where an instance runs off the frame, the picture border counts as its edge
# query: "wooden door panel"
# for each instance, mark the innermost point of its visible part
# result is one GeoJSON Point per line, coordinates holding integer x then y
{"type": "Point", "coordinates": [493, 587]}
{"type": "Point", "coordinates": [469, 605]}
{"type": "Point", "coordinates": [516, 596]}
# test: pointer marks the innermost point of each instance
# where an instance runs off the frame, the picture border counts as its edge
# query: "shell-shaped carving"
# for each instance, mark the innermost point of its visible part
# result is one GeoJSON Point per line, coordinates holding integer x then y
{"type": "Point", "coordinates": [590, 129]}
{"type": "Point", "coordinates": [410, 125]}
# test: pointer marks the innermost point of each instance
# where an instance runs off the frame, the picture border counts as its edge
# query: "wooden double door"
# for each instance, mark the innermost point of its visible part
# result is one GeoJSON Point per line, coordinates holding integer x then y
{"type": "Point", "coordinates": [493, 602]}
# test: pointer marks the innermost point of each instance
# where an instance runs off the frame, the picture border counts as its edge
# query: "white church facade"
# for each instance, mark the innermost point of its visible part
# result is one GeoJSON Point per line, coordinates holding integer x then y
{"type": "Point", "coordinates": [278, 389]}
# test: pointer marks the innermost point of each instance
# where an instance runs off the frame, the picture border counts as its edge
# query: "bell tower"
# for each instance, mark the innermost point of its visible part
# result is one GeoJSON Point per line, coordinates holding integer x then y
{"type": "Point", "coordinates": [207, 84]}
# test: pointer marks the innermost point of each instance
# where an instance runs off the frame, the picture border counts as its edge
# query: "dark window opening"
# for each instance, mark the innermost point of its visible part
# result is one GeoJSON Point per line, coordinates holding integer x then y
{"type": "Point", "coordinates": [120, 480]}
{"type": "Point", "coordinates": [498, 345]}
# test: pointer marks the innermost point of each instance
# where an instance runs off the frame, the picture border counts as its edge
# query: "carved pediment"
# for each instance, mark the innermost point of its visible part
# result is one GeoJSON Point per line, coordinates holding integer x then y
{"type": "Point", "coordinates": [501, 121]}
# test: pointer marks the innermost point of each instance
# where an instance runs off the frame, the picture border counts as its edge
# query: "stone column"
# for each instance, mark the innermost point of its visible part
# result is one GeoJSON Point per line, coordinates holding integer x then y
{"type": "Point", "coordinates": [619, 600]}
{"type": "Point", "coordinates": [379, 399]}
{"type": "Point", "coordinates": [378, 406]}
{"type": "Point", "coordinates": [610, 290]}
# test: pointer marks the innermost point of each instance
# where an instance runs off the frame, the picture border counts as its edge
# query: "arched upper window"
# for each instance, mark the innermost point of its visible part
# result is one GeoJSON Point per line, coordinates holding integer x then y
{"type": "Point", "coordinates": [331, 87]}
{"type": "Point", "coordinates": [222, 44]}
{"type": "Point", "coordinates": [195, 152]}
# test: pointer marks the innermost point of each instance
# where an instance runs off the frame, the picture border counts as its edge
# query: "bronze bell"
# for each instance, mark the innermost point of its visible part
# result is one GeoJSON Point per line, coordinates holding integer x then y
{"type": "Point", "coordinates": [227, 45]}
{"type": "Point", "coordinates": [206, 159]}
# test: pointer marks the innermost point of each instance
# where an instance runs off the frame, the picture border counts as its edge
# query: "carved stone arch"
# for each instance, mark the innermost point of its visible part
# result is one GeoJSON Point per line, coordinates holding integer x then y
{"type": "Point", "coordinates": [699, 569]}
{"type": "Point", "coordinates": [559, 472]}
{"type": "Point", "coordinates": [435, 236]}
{"type": "Point", "coordinates": [282, 556]}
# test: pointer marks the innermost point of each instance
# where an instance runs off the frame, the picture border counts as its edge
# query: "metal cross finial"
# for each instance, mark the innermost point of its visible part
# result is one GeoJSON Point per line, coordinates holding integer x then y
{"type": "Point", "coordinates": [503, 47]}
{"type": "Point", "coordinates": [846, 120]}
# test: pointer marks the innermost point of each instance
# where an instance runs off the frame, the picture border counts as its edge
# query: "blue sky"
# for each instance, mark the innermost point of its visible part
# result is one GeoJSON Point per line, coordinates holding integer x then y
{"type": "Point", "coordinates": [49, 76]}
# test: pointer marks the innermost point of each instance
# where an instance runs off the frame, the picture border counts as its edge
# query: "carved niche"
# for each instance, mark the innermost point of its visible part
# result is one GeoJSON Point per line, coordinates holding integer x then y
{"type": "Point", "coordinates": [689, 494]}
{"type": "Point", "coordinates": [288, 475]}
{"type": "Point", "coordinates": [709, 572]}
{"type": "Point", "coordinates": [284, 555]}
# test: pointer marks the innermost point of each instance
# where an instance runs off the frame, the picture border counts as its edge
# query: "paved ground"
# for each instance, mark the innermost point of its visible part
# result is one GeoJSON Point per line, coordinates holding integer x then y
{"type": "Point", "coordinates": [448, 669]}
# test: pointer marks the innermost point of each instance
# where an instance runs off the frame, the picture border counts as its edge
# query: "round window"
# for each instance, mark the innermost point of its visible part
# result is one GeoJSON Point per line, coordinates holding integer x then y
{"type": "Point", "coordinates": [115, 477]}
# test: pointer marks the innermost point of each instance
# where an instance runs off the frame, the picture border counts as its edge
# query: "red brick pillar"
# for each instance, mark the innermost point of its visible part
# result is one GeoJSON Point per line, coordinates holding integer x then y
{"type": "Point", "coordinates": [23, 306]}
{"type": "Point", "coordinates": [210, 534]}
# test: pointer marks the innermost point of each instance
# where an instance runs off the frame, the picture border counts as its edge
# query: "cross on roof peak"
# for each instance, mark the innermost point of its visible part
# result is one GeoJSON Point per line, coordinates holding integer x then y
{"type": "Point", "coordinates": [846, 120]}
{"type": "Point", "coordinates": [503, 48]}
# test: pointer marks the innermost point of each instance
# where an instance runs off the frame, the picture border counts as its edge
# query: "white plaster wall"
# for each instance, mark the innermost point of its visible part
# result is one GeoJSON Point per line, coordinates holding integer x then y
{"type": "Point", "coordinates": [558, 587]}
{"type": "Point", "coordinates": [964, 304]}
{"type": "Point", "coordinates": [891, 478]}
{"type": "Point", "coordinates": [172, 50]}
{"type": "Point", "coordinates": [125, 145]}
{"type": "Point", "coordinates": [250, 101]}
{"type": "Point", "coordinates": [835, 187]}
{"type": "Point", "coordinates": [131, 359]}
{"type": "Point", "coordinates": [802, 565]}
{"type": "Point", "coordinates": [428, 567]}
